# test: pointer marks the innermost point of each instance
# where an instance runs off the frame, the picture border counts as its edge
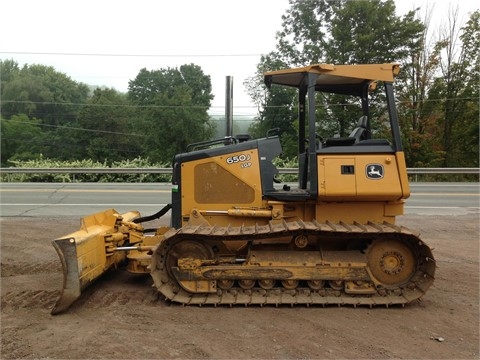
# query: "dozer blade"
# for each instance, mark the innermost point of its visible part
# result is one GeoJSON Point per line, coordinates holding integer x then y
{"type": "Point", "coordinates": [87, 253]}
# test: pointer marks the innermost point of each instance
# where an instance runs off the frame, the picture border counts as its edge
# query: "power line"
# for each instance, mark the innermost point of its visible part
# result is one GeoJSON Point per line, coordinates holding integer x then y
{"type": "Point", "coordinates": [98, 105]}
{"type": "Point", "coordinates": [198, 106]}
{"type": "Point", "coordinates": [116, 105]}
{"type": "Point", "coordinates": [75, 128]}
{"type": "Point", "coordinates": [125, 55]}
{"type": "Point", "coordinates": [55, 144]}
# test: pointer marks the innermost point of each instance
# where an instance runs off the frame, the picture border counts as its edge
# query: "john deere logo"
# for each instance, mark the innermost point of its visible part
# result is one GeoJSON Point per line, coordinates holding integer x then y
{"type": "Point", "coordinates": [374, 171]}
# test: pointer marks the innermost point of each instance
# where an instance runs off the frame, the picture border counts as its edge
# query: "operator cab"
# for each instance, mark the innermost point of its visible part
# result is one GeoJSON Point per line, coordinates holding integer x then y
{"type": "Point", "coordinates": [356, 81]}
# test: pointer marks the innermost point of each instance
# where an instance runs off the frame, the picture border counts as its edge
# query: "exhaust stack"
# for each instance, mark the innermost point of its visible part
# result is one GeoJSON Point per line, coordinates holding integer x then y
{"type": "Point", "coordinates": [229, 106]}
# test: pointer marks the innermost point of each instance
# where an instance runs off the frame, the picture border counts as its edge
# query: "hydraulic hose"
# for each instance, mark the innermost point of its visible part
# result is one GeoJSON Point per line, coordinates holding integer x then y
{"type": "Point", "coordinates": [157, 215]}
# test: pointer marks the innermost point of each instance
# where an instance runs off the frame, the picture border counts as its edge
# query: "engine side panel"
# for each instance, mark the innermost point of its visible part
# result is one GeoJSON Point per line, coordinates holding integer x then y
{"type": "Point", "coordinates": [218, 182]}
{"type": "Point", "coordinates": [359, 177]}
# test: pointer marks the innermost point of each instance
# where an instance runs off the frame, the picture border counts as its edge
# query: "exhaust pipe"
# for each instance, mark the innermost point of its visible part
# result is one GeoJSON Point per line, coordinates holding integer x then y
{"type": "Point", "coordinates": [229, 106]}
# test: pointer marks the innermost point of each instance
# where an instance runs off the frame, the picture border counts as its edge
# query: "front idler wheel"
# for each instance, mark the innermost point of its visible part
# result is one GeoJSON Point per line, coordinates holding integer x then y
{"type": "Point", "coordinates": [391, 262]}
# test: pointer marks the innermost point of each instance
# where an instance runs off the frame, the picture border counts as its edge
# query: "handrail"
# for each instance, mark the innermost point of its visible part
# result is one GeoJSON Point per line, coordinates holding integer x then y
{"type": "Point", "coordinates": [13, 170]}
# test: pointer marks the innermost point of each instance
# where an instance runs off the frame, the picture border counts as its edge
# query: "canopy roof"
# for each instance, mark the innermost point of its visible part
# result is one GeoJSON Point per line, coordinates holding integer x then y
{"type": "Point", "coordinates": [343, 79]}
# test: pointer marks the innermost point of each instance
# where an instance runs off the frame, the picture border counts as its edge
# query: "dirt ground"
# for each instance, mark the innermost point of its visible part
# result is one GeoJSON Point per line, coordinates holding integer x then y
{"type": "Point", "coordinates": [121, 317]}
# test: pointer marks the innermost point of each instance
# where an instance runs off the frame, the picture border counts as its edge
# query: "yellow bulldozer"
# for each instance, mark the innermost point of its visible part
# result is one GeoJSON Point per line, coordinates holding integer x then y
{"type": "Point", "coordinates": [238, 237]}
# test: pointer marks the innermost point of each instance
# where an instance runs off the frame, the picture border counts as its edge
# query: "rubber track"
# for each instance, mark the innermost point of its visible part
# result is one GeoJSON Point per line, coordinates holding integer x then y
{"type": "Point", "coordinates": [418, 286]}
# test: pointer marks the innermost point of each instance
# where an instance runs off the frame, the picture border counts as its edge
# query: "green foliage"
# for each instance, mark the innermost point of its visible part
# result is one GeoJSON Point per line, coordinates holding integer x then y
{"type": "Point", "coordinates": [460, 91]}
{"type": "Point", "coordinates": [109, 127]}
{"type": "Point", "coordinates": [365, 32]}
{"type": "Point", "coordinates": [44, 163]}
{"type": "Point", "coordinates": [41, 92]}
{"type": "Point", "coordinates": [277, 106]}
{"type": "Point", "coordinates": [173, 106]}
{"type": "Point", "coordinates": [45, 113]}
{"type": "Point", "coordinates": [279, 114]}
{"type": "Point", "coordinates": [282, 163]}
{"type": "Point", "coordinates": [304, 36]}
{"type": "Point", "coordinates": [49, 97]}
{"type": "Point", "coordinates": [438, 90]}
{"type": "Point", "coordinates": [340, 32]}
{"type": "Point", "coordinates": [8, 70]}
{"type": "Point", "coordinates": [21, 138]}
{"type": "Point", "coordinates": [439, 109]}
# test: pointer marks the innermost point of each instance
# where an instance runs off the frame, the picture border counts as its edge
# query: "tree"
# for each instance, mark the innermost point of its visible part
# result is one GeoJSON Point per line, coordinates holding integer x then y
{"type": "Point", "coordinates": [305, 35]}
{"type": "Point", "coordinates": [365, 32]}
{"type": "Point", "coordinates": [41, 92]}
{"type": "Point", "coordinates": [458, 88]}
{"type": "Point", "coordinates": [51, 98]}
{"type": "Point", "coordinates": [297, 45]}
{"type": "Point", "coordinates": [277, 108]}
{"type": "Point", "coordinates": [107, 128]}
{"type": "Point", "coordinates": [341, 32]}
{"type": "Point", "coordinates": [418, 114]}
{"type": "Point", "coordinates": [8, 70]}
{"type": "Point", "coordinates": [173, 104]}
{"type": "Point", "coordinates": [467, 130]}
{"type": "Point", "coordinates": [22, 139]}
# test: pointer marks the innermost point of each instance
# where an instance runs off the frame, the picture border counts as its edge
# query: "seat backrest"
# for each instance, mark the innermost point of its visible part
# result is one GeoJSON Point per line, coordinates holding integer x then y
{"type": "Point", "coordinates": [361, 128]}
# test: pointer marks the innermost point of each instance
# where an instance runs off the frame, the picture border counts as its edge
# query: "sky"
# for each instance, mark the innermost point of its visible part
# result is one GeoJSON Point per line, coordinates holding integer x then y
{"type": "Point", "coordinates": [107, 42]}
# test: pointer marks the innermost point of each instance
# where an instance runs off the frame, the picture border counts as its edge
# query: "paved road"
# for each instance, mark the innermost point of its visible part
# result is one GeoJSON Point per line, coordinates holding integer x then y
{"type": "Point", "coordinates": [80, 199]}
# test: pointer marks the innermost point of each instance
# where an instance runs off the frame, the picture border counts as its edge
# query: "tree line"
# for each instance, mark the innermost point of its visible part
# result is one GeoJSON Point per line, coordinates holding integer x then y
{"type": "Point", "coordinates": [45, 114]}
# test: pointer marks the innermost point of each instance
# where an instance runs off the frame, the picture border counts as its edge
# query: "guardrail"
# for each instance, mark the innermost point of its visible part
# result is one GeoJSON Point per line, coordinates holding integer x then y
{"type": "Point", "coordinates": [85, 170]}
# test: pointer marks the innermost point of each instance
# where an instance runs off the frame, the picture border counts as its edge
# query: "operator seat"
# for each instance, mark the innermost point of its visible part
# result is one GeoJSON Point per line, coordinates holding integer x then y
{"type": "Point", "coordinates": [361, 130]}
{"type": "Point", "coordinates": [359, 133]}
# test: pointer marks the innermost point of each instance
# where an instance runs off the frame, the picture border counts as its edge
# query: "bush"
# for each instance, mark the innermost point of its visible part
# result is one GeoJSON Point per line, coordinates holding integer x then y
{"type": "Point", "coordinates": [286, 163]}
{"type": "Point", "coordinates": [43, 163]}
